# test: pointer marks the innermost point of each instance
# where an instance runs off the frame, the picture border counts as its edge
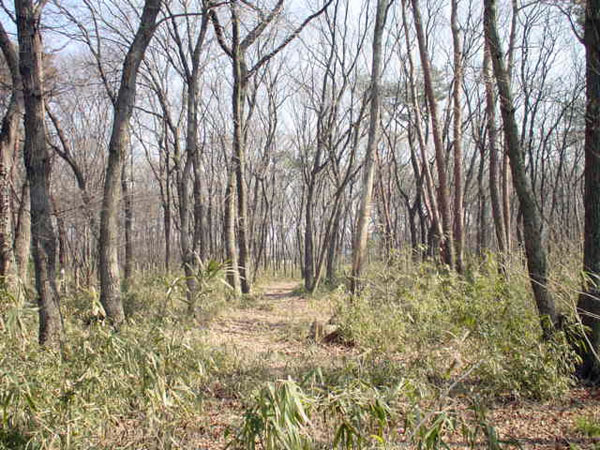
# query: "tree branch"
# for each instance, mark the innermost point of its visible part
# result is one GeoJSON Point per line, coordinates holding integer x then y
{"type": "Point", "coordinates": [287, 40]}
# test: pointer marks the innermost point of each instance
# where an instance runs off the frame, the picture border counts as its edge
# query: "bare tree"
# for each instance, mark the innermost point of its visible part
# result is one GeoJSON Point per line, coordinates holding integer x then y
{"type": "Point", "coordinates": [457, 138]}
{"type": "Point", "coordinates": [364, 214]}
{"type": "Point", "coordinates": [237, 50]}
{"type": "Point", "coordinates": [191, 69]}
{"type": "Point", "coordinates": [440, 153]}
{"type": "Point", "coordinates": [37, 164]}
{"type": "Point", "coordinates": [110, 288]}
{"type": "Point", "coordinates": [490, 97]}
{"type": "Point", "coordinates": [532, 222]}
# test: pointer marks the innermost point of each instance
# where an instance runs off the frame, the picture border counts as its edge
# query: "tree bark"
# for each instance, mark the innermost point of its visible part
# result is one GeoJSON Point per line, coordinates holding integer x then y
{"type": "Point", "coordinates": [22, 247]}
{"type": "Point", "coordinates": [37, 164]}
{"type": "Point", "coordinates": [233, 275]}
{"type": "Point", "coordinates": [9, 137]}
{"type": "Point", "coordinates": [332, 249]}
{"type": "Point", "coordinates": [128, 216]}
{"type": "Point", "coordinates": [187, 253]}
{"type": "Point", "coordinates": [239, 164]}
{"type": "Point", "coordinates": [490, 97]}
{"type": "Point", "coordinates": [589, 300]}
{"type": "Point", "coordinates": [440, 152]}
{"type": "Point", "coordinates": [309, 253]}
{"type": "Point", "coordinates": [457, 137]}
{"type": "Point", "coordinates": [360, 240]}
{"type": "Point", "coordinates": [110, 293]}
{"type": "Point", "coordinates": [532, 222]}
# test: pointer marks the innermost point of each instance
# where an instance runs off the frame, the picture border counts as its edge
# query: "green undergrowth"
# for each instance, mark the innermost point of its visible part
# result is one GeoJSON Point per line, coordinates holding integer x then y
{"type": "Point", "coordinates": [432, 352]}
{"type": "Point", "coordinates": [439, 325]}
{"type": "Point", "coordinates": [422, 354]}
{"type": "Point", "coordinates": [314, 414]}
{"type": "Point", "coordinates": [141, 387]}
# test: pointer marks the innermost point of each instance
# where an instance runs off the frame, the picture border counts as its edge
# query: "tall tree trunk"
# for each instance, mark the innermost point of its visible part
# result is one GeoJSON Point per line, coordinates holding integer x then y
{"type": "Point", "coordinates": [589, 300]}
{"type": "Point", "coordinates": [199, 215]}
{"type": "Point", "coordinates": [482, 219]}
{"type": "Point", "coordinates": [37, 164]}
{"type": "Point", "coordinates": [457, 136]}
{"type": "Point", "coordinates": [490, 97]}
{"type": "Point", "coordinates": [334, 240]}
{"type": "Point", "coordinates": [110, 292]}
{"type": "Point", "coordinates": [167, 224]}
{"type": "Point", "coordinates": [360, 239]}
{"type": "Point", "coordinates": [429, 197]}
{"type": "Point", "coordinates": [192, 249]}
{"type": "Point", "coordinates": [9, 137]}
{"type": "Point", "coordinates": [191, 150]}
{"type": "Point", "coordinates": [532, 222]}
{"type": "Point", "coordinates": [239, 163]}
{"type": "Point", "coordinates": [440, 152]}
{"type": "Point", "coordinates": [506, 187]}
{"type": "Point", "coordinates": [187, 252]}
{"type": "Point", "coordinates": [7, 145]}
{"type": "Point", "coordinates": [506, 195]}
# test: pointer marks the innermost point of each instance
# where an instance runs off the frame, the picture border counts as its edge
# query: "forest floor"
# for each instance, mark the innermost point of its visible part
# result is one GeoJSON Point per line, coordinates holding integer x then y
{"type": "Point", "coordinates": [270, 335]}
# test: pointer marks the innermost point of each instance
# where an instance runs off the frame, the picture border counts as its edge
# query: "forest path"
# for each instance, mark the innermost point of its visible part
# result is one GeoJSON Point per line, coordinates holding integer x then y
{"type": "Point", "coordinates": [267, 338]}
{"type": "Point", "coordinates": [275, 321]}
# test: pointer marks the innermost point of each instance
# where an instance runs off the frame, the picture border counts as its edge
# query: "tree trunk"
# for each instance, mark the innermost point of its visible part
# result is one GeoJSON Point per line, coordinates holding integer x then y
{"type": "Point", "coordinates": [490, 97]}
{"type": "Point", "coordinates": [110, 294]}
{"type": "Point", "coordinates": [9, 137]}
{"type": "Point", "coordinates": [239, 164]}
{"type": "Point", "coordinates": [199, 245]}
{"type": "Point", "coordinates": [233, 274]}
{"type": "Point", "coordinates": [440, 152]}
{"type": "Point", "coordinates": [589, 300]}
{"type": "Point", "coordinates": [167, 226]}
{"type": "Point", "coordinates": [309, 263]}
{"type": "Point", "coordinates": [364, 214]}
{"type": "Point", "coordinates": [23, 235]}
{"type": "Point", "coordinates": [37, 164]}
{"type": "Point", "coordinates": [457, 136]}
{"type": "Point", "coordinates": [429, 197]}
{"type": "Point", "coordinates": [187, 253]}
{"type": "Point", "coordinates": [128, 216]}
{"type": "Point", "coordinates": [191, 150]}
{"type": "Point", "coordinates": [532, 222]}
{"type": "Point", "coordinates": [332, 249]}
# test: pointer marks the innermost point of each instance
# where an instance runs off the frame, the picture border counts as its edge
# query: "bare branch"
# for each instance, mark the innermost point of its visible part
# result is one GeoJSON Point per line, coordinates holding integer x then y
{"type": "Point", "coordinates": [287, 40]}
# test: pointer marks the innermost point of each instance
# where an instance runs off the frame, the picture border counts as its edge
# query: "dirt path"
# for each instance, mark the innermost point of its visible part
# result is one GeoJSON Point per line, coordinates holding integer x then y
{"type": "Point", "coordinates": [268, 339]}
{"type": "Point", "coordinates": [277, 321]}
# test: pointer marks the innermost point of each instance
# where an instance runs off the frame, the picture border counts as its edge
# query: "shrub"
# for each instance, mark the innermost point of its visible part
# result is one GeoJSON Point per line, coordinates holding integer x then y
{"type": "Point", "coordinates": [436, 324]}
